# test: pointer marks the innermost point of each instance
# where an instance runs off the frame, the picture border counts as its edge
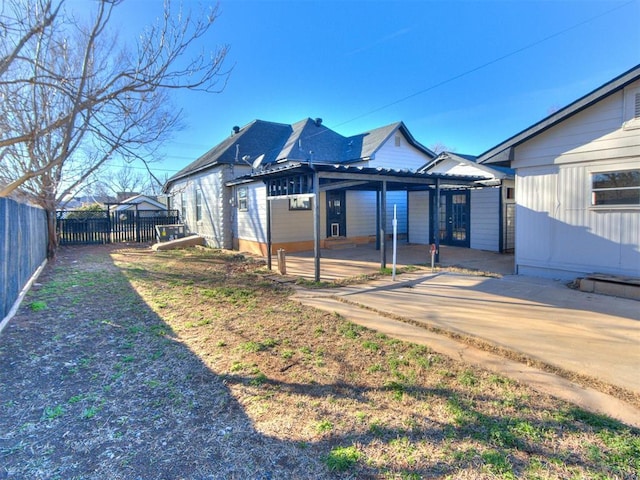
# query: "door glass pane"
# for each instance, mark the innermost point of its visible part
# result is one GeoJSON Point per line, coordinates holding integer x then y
{"type": "Point", "coordinates": [459, 217]}
{"type": "Point", "coordinates": [442, 218]}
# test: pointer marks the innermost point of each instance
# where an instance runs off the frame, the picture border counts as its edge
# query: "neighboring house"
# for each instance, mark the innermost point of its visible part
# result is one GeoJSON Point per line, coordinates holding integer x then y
{"type": "Point", "coordinates": [75, 203]}
{"type": "Point", "coordinates": [481, 218]}
{"type": "Point", "coordinates": [146, 206]}
{"type": "Point", "coordinates": [232, 213]}
{"type": "Point", "coordinates": [578, 185]}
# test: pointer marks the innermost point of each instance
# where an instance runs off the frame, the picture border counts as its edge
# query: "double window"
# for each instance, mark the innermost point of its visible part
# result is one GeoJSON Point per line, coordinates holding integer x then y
{"type": "Point", "coordinates": [621, 188]}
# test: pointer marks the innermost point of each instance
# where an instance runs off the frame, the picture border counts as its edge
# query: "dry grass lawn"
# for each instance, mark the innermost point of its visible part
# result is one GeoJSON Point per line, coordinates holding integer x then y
{"type": "Point", "coordinates": [123, 364]}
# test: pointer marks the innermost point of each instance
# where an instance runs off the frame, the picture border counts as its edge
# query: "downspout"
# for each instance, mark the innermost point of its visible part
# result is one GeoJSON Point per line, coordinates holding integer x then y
{"type": "Point", "coordinates": [383, 225]}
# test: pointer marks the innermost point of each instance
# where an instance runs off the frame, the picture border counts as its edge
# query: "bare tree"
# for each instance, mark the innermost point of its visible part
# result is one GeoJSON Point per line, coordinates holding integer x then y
{"type": "Point", "coordinates": [74, 96]}
{"type": "Point", "coordinates": [22, 28]}
{"type": "Point", "coordinates": [123, 180]}
{"type": "Point", "coordinates": [440, 147]}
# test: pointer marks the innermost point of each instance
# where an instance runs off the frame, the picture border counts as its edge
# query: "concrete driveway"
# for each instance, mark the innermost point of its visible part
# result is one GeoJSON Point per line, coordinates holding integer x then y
{"type": "Point", "coordinates": [588, 334]}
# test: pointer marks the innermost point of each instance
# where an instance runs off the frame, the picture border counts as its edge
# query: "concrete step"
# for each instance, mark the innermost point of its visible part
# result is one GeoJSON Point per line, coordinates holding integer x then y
{"type": "Point", "coordinates": [336, 243]}
{"type": "Point", "coordinates": [614, 285]}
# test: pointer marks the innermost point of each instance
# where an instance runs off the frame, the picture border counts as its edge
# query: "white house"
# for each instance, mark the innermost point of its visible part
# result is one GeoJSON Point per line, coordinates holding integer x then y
{"type": "Point", "coordinates": [145, 205]}
{"type": "Point", "coordinates": [578, 185]}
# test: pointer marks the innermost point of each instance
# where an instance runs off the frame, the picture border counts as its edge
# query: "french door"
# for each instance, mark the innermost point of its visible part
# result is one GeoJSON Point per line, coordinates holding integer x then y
{"type": "Point", "coordinates": [453, 218]}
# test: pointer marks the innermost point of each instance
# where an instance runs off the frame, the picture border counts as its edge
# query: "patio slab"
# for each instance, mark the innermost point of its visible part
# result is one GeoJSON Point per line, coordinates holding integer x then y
{"type": "Point", "coordinates": [589, 334]}
{"type": "Point", "coordinates": [365, 259]}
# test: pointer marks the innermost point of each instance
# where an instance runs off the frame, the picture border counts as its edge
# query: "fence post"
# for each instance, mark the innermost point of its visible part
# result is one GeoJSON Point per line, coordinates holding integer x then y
{"type": "Point", "coordinates": [137, 223]}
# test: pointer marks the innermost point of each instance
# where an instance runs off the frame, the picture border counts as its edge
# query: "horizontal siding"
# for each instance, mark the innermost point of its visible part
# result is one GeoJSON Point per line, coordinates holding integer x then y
{"type": "Point", "coordinates": [399, 158]}
{"type": "Point", "coordinates": [399, 199]}
{"type": "Point", "coordinates": [596, 129]}
{"type": "Point", "coordinates": [290, 225]}
{"type": "Point", "coordinates": [252, 223]}
{"type": "Point", "coordinates": [419, 218]}
{"type": "Point", "coordinates": [485, 219]}
{"type": "Point", "coordinates": [361, 213]}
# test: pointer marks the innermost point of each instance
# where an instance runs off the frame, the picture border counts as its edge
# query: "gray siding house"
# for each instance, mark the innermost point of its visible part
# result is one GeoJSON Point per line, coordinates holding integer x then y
{"type": "Point", "coordinates": [578, 185]}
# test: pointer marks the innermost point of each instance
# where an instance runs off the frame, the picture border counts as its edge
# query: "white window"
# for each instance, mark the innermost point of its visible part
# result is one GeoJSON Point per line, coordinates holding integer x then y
{"type": "Point", "coordinates": [183, 207]}
{"type": "Point", "coordinates": [300, 203]}
{"type": "Point", "coordinates": [616, 188]}
{"type": "Point", "coordinates": [242, 199]}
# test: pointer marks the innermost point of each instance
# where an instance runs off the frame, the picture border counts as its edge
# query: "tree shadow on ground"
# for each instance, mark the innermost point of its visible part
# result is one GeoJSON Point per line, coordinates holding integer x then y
{"type": "Point", "coordinates": [95, 384]}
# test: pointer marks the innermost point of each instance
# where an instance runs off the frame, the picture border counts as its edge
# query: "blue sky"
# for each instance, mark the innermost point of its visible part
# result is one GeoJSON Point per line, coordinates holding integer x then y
{"type": "Point", "coordinates": [466, 74]}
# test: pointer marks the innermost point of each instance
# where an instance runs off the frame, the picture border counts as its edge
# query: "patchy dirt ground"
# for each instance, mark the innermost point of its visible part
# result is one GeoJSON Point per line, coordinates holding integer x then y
{"type": "Point", "coordinates": [126, 364]}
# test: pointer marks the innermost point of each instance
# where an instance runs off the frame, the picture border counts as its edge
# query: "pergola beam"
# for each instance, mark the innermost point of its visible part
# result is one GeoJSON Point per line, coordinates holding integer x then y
{"type": "Point", "coordinates": [399, 179]}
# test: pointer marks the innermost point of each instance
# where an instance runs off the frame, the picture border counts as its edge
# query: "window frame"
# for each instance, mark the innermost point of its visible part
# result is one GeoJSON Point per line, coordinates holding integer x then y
{"type": "Point", "coordinates": [305, 205]}
{"type": "Point", "coordinates": [242, 199]}
{"type": "Point", "coordinates": [597, 189]}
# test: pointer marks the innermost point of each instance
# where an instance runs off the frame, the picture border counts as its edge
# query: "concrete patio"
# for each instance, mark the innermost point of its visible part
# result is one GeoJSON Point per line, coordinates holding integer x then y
{"type": "Point", "coordinates": [591, 335]}
{"type": "Point", "coordinates": [365, 259]}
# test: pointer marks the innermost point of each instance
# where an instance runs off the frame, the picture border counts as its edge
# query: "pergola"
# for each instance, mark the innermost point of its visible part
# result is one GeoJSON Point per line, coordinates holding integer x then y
{"type": "Point", "coordinates": [309, 180]}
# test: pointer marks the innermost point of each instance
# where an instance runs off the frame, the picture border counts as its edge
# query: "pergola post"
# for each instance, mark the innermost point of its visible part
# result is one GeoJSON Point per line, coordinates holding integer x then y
{"type": "Point", "coordinates": [383, 225]}
{"type": "Point", "coordinates": [316, 226]}
{"type": "Point", "coordinates": [436, 221]}
{"type": "Point", "coordinates": [268, 231]}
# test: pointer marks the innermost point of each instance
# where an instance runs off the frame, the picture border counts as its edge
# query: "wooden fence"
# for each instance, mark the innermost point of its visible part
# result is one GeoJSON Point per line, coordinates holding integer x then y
{"type": "Point", "coordinates": [23, 248]}
{"type": "Point", "coordinates": [81, 227]}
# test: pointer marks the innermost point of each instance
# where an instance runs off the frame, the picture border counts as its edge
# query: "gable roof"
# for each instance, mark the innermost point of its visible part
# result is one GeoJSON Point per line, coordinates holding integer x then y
{"type": "Point", "coordinates": [502, 152]}
{"type": "Point", "coordinates": [306, 140]}
{"type": "Point", "coordinates": [370, 142]}
{"type": "Point", "coordinates": [494, 171]}
{"type": "Point", "coordinates": [138, 199]}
